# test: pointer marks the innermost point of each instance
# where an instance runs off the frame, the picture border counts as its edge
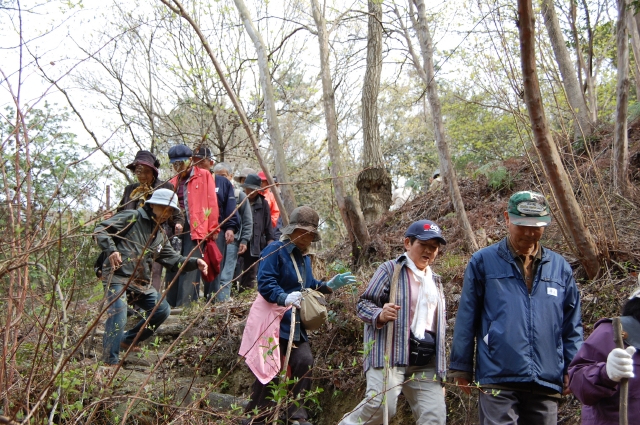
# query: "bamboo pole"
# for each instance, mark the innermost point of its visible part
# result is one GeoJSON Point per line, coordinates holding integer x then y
{"type": "Point", "coordinates": [389, 343]}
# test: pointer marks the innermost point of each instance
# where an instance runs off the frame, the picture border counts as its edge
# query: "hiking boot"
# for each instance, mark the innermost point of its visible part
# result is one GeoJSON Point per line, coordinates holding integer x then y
{"type": "Point", "coordinates": [124, 347]}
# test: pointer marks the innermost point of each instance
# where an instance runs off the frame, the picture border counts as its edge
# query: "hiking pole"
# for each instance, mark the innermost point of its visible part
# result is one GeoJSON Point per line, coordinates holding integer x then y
{"type": "Point", "coordinates": [283, 373]}
{"type": "Point", "coordinates": [389, 343]}
{"type": "Point", "coordinates": [624, 382]}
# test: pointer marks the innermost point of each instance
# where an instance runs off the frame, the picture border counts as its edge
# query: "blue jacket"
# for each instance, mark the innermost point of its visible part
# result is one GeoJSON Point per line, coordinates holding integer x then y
{"type": "Point", "coordinates": [226, 204]}
{"type": "Point", "coordinates": [277, 278]}
{"type": "Point", "coordinates": [520, 337]}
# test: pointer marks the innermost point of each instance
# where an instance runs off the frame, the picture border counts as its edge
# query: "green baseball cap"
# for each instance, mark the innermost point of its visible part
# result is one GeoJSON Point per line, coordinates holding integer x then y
{"type": "Point", "coordinates": [528, 208]}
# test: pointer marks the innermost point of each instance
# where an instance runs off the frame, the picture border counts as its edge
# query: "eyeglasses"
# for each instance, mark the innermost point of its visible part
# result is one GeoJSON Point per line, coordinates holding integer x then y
{"type": "Point", "coordinates": [178, 165]}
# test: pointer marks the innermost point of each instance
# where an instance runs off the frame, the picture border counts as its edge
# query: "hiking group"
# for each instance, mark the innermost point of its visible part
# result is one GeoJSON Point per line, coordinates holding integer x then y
{"type": "Point", "coordinates": [517, 339]}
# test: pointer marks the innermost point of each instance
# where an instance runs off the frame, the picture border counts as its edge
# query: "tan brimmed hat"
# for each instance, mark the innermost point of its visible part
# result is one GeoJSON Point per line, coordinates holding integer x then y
{"type": "Point", "coordinates": [303, 218]}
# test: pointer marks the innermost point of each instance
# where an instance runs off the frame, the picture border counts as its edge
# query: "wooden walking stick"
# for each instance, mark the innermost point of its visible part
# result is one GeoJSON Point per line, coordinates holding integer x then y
{"type": "Point", "coordinates": [283, 372]}
{"type": "Point", "coordinates": [624, 382]}
{"type": "Point", "coordinates": [108, 203]}
{"type": "Point", "coordinates": [393, 290]}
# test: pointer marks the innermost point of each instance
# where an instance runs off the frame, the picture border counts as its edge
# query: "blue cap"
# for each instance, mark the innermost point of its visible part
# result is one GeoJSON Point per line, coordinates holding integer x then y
{"type": "Point", "coordinates": [425, 230]}
{"type": "Point", "coordinates": [179, 153]}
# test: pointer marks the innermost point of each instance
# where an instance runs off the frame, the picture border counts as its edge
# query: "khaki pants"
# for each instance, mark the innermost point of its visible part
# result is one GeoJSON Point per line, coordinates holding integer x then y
{"type": "Point", "coordinates": [424, 394]}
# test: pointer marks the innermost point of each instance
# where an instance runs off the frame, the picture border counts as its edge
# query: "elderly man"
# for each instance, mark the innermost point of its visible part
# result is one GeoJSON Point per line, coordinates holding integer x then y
{"type": "Point", "coordinates": [132, 240]}
{"type": "Point", "coordinates": [415, 321]}
{"type": "Point", "coordinates": [196, 190]}
{"type": "Point", "coordinates": [227, 215]}
{"type": "Point", "coordinates": [222, 283]}
{"type": "Point", "coordinates": [520, 309]}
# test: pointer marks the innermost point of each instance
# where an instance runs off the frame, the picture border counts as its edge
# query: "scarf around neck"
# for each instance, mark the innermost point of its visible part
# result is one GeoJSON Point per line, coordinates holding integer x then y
{"type": "Point", "coordinates": [428, 295]}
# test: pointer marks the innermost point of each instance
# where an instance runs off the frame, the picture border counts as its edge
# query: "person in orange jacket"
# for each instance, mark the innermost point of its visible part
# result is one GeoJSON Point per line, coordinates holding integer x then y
{"type": "Point", "coordinates": [197, 198]}
{"type": "Point", "coordinates": [268, 195]}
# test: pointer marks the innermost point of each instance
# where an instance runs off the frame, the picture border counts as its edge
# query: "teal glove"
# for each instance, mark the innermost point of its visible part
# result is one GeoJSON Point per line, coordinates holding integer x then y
{"type": "Point", "coordinates": [341, 280]}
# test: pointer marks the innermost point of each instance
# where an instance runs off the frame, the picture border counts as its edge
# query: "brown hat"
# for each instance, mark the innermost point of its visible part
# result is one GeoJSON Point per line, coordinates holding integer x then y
{"type": "Point", "coordinates": [306, 218]}
{"type": "Point", "coordinates": [145, 158]}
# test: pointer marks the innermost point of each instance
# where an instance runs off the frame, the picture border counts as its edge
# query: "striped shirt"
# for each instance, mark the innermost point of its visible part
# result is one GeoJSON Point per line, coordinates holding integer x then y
{"type": "Point", "coordinates": [370, 306]}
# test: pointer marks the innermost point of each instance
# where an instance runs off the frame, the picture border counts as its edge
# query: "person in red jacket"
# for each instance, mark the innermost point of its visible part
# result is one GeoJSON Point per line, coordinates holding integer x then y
{"type": "Point", "coordinates": [197, 198]}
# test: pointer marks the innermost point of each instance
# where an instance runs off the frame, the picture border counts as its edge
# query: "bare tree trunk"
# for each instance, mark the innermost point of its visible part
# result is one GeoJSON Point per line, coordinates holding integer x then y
{"type": "Point", "coordinates": [356, 227]}
{"type": "Point", "coordinates": [620, 141]}
{"type": "Point", "coordinates": [176, 7]}
{"type": "Point", "coordinates": [632, 27]}
{"type": "Point", "coordinates": [554, 170]}
{"type": "Point", "coordinates": [374, 182]}
{"type": "Point", "coordinates": [270, 106]}
{"type": "Point", "coordinates": [588, 85]}
{"type": "Point", "coordinates": [584, 126]}
{"type": "Point", "coordinates": [446, 166]}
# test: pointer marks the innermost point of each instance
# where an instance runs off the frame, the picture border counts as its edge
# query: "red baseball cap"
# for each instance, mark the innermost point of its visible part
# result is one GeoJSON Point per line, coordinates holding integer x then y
{"type": "Point", "coordinates": [262, 176]}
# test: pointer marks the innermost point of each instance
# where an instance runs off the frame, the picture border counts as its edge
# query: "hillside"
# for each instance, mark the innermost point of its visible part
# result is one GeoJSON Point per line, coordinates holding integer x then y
{"type": "Point", "coordinates": [191, 373]}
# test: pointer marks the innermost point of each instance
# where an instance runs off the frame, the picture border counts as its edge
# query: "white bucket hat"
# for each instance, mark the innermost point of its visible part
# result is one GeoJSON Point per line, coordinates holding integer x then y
{"type": "Point", "coordinates": [164, 197]}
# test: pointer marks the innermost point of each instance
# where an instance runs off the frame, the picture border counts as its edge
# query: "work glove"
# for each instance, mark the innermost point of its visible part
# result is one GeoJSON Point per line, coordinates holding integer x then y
{"type": "Point", "coordinates": [620, 363]}
{"type": "Point", "coordinates": [294, 299]}
{"type": "Point", "coordinates": [341, 280]}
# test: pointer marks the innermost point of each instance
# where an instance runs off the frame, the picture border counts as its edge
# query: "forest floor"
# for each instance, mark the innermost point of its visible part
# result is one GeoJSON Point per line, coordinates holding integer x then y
{"type": "Point", "coordinates": [201, 379]}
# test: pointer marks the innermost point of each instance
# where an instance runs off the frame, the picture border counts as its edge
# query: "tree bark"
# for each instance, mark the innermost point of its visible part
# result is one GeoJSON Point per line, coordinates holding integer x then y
{"type": "Point", "coordinates": [270, 106]}
{"type": "Point", "coordinates": [176, 7]}
{"type": "Point", "coordinates": [374, 182]}
{"type": "Point", "coordinates": [620, 141]}
{"type": "Point", "coordinates": [548, 152]}
{"type": "Point", "coordinates": [632, 27]}
{"type": "Point", "coordinates": [446, 166]}
{"type": "Point", "coordinates": [355, 225]}
{"type": "Point", "coordinates": [584, 125]}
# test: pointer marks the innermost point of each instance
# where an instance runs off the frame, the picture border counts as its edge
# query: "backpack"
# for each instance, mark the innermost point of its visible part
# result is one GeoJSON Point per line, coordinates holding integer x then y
{"type": "Point", "coordinates": [313, 307]}
{"type": "Point", "coordinates": [97, 265]}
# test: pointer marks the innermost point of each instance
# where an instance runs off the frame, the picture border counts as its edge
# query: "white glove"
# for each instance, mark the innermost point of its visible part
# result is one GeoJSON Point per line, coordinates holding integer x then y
{"type": "Point", "coordinates": [620, 364]}
{"type": "Point", "coordinates": [293, 298]}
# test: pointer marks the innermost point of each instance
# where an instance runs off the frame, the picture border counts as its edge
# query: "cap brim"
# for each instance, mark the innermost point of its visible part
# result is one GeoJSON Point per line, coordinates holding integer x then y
{"type": "Point", "coordinates": [250, 186]}
{"type": "Point", "coordinates": [290, 228]}
{"type": "Point", "coordinates": [176, 209]}
{"type": "Point", "coordinates": [529, 221]}
{"type": "Point", "coordinates": [132, 166]}
{"type": "Point", "coordinates": [427, 238]}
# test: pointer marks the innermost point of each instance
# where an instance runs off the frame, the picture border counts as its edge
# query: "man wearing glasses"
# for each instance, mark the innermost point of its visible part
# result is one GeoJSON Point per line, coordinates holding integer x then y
{"type": "Point", "coordinates": [196, 192]}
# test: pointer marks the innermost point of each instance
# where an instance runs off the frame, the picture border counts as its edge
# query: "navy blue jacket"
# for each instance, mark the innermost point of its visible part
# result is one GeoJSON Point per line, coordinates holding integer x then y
{"type": "Point", "coordinates": [226, 204]}
{"type": "Point", "coordinates": [519, 337]}
{"type": "Point", "coordinates": [277, 278]}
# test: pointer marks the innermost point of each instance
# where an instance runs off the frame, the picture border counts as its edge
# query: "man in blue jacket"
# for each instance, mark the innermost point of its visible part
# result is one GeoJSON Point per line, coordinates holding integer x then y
{"type": "Point", "coordinates": [520, 310]}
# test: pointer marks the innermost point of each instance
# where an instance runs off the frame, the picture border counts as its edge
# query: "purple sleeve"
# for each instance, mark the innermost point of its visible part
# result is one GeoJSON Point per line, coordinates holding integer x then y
{"type": "Point", "coordinates": [589, 381]}
{"type": "Point", "coordinates": [376, 295]}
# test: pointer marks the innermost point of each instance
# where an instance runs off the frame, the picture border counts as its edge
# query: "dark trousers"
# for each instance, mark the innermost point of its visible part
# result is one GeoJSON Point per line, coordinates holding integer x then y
{"type": "Point", "coordinates": [185, 289]}
{"type": "Point", "coordinates": [250, 265]}
{"type": "Point", "coordinates": [517, 408]}
{"type": "Point", "coordinates": [300, 364]}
